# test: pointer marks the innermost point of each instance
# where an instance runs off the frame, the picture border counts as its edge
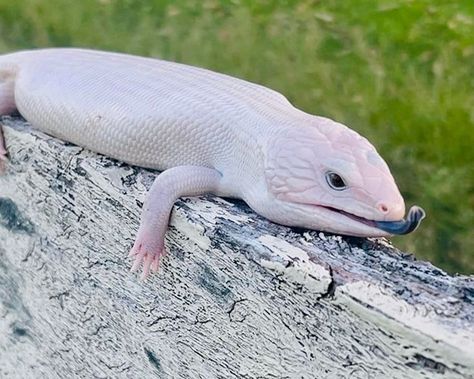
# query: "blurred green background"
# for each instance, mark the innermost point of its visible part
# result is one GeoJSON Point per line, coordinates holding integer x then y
{"type": "Point", "coordinates": [399, 72]}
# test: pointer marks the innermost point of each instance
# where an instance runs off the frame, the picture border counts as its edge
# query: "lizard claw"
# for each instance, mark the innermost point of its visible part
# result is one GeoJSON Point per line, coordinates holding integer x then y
{"type": "Point", "coordinates": [147, 252]}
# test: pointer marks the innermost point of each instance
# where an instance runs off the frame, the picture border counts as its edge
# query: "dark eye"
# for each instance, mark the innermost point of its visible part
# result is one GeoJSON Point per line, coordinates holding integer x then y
{"type": "Point", "coordinates": [335, 181]}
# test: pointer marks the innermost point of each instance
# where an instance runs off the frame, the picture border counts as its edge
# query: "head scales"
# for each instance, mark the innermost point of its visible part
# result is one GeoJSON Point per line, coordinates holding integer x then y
{"type": "Point", "coordinates": [298, 159]}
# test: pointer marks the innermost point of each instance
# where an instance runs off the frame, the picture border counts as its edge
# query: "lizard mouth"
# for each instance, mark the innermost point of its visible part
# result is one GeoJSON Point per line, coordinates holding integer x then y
{"type": "Point", "coordinates": [403, 226]}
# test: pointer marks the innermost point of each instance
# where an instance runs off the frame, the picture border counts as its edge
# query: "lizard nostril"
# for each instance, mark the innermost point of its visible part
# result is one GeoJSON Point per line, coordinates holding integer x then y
{"type": "Point", "coordinates": [382, 208]}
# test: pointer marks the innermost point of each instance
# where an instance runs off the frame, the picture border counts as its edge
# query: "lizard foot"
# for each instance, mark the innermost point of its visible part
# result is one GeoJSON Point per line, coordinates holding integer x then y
{"type": "Point", "coordinates": [149, 252]}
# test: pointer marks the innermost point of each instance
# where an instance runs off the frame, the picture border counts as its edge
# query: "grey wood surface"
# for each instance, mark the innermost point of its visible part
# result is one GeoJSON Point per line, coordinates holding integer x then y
{"type": "Point", "coordinates": [237, 297]}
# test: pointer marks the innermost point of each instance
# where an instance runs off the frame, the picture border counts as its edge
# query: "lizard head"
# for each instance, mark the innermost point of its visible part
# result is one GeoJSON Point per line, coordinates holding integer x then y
{"type": "Point", "coordinates": [327, 177]}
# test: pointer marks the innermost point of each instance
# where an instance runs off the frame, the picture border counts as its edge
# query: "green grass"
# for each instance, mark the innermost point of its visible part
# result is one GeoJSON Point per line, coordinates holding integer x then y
{"type": "Point", "coordinates": [399, 72]}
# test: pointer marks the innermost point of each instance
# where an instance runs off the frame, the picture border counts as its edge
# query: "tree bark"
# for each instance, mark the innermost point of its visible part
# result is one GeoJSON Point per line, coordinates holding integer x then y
{"type": "Point", "coordinates": [236, 297]}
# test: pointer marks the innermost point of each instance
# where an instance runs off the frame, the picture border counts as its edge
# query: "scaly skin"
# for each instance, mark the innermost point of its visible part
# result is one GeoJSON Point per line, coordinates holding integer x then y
{"type": "Point", "coordinates": [209, 133]}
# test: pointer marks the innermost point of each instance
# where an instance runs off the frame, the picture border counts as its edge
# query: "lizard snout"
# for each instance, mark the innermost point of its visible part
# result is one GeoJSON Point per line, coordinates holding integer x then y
{"type": "Point", "coordinates": [391, 210]}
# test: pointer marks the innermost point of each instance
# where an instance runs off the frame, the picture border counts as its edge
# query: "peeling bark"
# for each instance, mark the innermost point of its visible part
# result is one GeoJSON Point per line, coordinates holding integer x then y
{"type": "Point", "coordinates": [237, 297]}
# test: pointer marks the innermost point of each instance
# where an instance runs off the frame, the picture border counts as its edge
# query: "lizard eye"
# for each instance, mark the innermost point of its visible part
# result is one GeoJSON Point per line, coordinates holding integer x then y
{"type": "Point", "coordinates": [335, 181]}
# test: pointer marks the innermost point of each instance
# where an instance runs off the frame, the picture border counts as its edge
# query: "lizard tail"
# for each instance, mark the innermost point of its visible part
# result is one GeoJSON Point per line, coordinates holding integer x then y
{"type": "Point", "coordinates": [7, 97]}
{"type": "Point", "coordinates": [8, 71]}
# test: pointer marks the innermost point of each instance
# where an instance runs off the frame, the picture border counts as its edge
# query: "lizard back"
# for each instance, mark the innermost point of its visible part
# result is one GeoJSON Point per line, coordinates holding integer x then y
{"type": "Point", "coordinates": [143, 111]}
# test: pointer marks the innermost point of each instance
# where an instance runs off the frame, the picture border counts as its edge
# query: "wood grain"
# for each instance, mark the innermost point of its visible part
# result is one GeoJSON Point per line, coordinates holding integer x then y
{"type": "Point", "coordinates": [237, 297]}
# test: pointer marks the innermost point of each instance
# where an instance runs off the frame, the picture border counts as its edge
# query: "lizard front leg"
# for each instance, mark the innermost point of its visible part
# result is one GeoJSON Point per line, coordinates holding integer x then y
{"type": "Point", "coordinates": [167, 188]}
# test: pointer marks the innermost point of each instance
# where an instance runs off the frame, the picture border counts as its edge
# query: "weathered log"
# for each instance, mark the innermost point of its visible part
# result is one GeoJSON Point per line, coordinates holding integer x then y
{"type": "Point", "coordinates": [237, 297]}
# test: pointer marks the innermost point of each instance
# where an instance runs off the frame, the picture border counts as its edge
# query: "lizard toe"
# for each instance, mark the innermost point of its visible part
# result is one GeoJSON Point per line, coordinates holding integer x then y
{"type": "Point", "coordinates": [147, 252]}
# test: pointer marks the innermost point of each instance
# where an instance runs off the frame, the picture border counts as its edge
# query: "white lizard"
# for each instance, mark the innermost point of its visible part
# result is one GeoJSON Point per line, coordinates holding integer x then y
{"type": "Point", "coordinates": [210, 133]}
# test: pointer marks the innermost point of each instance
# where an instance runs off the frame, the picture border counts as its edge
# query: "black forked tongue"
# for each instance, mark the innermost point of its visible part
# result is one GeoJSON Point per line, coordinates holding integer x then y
{"type": "Point", "coordinates": [415, 215]}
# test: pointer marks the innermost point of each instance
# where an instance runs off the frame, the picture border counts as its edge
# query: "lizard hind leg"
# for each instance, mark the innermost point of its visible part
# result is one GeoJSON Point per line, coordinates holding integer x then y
{"type": "Point", "coordinates": [7, 106]}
